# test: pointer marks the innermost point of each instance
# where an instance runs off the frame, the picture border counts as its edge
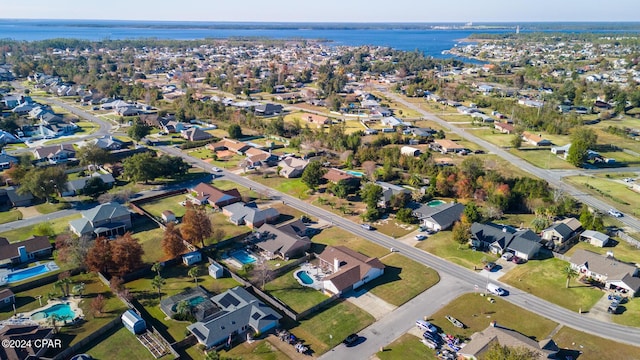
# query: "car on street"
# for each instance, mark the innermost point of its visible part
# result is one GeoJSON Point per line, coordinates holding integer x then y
{"type": "Point", "coordinates": [497, 290]}
{"type": "Point", "coordinates": [216, 169]}
{"type": "Point", "coordinates": [490, 266]}
{"type": "Point", "coordinates": [367, 227]}
{"type": "Point", "coordinates": [351, 340]}
{"type": "Point", "coordinates": [427, 326]}
{"type": "Point", "coordinates": [615, 213]}
{"type": "Point", "coordinates": [421, 237]}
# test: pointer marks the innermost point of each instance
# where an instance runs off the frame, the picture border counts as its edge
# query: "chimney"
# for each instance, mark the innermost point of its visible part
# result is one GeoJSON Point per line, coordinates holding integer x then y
{"type": "Point", "coordinates": [504, 229]}
{"type": "Point", "coordinates": [336, 265]}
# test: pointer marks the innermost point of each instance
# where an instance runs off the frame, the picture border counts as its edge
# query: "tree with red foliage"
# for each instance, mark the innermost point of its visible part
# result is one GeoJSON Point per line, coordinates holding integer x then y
{"type": "Point", "coordinates": [99, 258]}
{"type": "Point", "coordinates": [196, 225]}
{"type": "Point", "coordinates": [97, 304]}
{"type": "Point", "coordinates": [172, 243]}
{"type": "Point", "coordinates": [126, 254]}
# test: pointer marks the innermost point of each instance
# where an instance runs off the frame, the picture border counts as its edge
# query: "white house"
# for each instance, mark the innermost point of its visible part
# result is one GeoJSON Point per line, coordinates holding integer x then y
{"type": "Point", "coordinates": [349, 269]}
{"type": "Point", "coordinates": [409, 151]}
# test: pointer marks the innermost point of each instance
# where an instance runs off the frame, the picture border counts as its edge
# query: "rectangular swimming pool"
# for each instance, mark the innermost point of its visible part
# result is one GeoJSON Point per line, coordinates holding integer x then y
{"type": "Point", "coordinates": [243, 257]}
{"type": "Point", "coordinates": [27, 273]}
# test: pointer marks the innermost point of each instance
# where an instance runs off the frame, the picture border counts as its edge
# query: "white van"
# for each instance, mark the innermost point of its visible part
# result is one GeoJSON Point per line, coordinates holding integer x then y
{"type": "Point", "coordinates": [495, 289]}
{"type": "Point", "coordinates": [427, 326]}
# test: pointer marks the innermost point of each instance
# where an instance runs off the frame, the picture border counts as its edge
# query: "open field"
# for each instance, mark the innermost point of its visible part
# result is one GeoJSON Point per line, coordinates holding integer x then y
{"type": "Point", "coordinates": [616, 194]}
{"type": "Point", "coordinates": [394, 228]}
{"type": "Point", "coordinates": [48, 208]}
{"type": "Point", "coordinates": [335, 236]}
{"type": "Point", "coordinates": [593, 347]}
{"type": "Point", "coordinates": [542, 158]}
{"type": "Point", "coordinates": [58, 225]}
{"type": "Point", "coordinates": [405, 347]}
{"type": "Point", "coordinates": [442, 244]}
{"type": "Point", "coordinates": [293, 187]}
{"type": "Point", "coordinates": [259, 350]}
{"type": "Point", "coordinates": [118, 344]}
{"type": "Point", "coordinates": [544, 278]}
{"type": "Point", "coordinates": [329, 327]}
{"type": "Point", "coordinates": [493, 136]}
{"type": "Point", "coordinates": [10, 215]}
{"type": "Point", "coordinates": [287, 289]}
{"type": "Point", "coordinates": [169, 203]}
{"type": "Point", "coordinates": [403, 280]}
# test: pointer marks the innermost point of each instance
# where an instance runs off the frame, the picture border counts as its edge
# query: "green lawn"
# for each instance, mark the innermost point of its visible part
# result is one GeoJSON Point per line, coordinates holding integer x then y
{"type": "Point", "coordinates": [631, 315]}
{"type": "Point", "coordinates": [59, 226]}
{"type": "Point", "coordinates": [87, 127]}
{"type": "Point", "coordinates": [10, 215]}
{"type": "Point", "coordinates": [287, 289]}
{"type": "Point", "coordinates": [293, 187]}
{"type": "Point", "coordinates": [335, 236]}
{"type": "Point", "coordinates": [612, 192]}
{"type": "Point", "coordinates": [259, 350]}
{"type": "Point", "coordinates": [442, 244]}
{"type": "Point", "coordinates": [221, 222]}
{"type": "Point", "coordinates": [403, 280]}
{"type": "Point", "coordinates": [328, 328]}
{"type": "Point", "coordinates": [118, 344]}
{"type": "Point", "coordinates": [394, 228]}
{"type": "Point", "coordinates": [593, 347]}
{"type": "Point", "coordinates": [48, 208]}
{"type": "Point", "coordinates": [169, 203]}
{"type": "Point", "coordinates": [405, 347]}
{"type": "Point", "coordinates": [476, 312]}
{"type": "Point", "coordinates": [150, 237]}
{"type": "Point", "coordinates": [542, 158]}
{"type": "Point", "coordinates": [494, 136]}
{"type": "Point", "coordinates": [544, 278]}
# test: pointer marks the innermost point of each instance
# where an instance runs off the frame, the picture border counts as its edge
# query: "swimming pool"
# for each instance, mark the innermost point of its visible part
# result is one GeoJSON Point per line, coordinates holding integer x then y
{"type": "Point", "coordinates": [27, 273]}
{"type": "Point", "coordinates": [304, 277]}
{"type": "Point", "coordinates": [434, 203]}
{"type": "Point", "coordinates": [194, 301]}
{"type": "Point", "coordinates": [62, 311]}
{"type": "Point", "coordinates": [243, 257]}
{"type": "Point", "coordinates": [355, 173]}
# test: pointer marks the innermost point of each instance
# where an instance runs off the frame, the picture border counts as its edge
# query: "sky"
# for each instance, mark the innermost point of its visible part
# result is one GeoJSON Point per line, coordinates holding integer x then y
{"type": "Point", "coordinates": [327, 10]}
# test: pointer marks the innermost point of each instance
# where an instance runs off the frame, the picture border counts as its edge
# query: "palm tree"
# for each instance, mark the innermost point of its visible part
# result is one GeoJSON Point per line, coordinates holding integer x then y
{"type": "Point", "coordinates": [59, 285]}
{"type": "Point", "coordinates": [158, 282]}
{"type": "Point", "coordinates": [53, 321]}
{"type": "Point", "coordinates": [65, 284]}
{"type": "Point", "coordinates": [183, 307]}
{"type": "Point", "coordinates": [156, 268]}
{"type": "Point", "coordinates": [194, 272]}
{"type": "Point", "coordinates": [415, 180]}
{"type": "Point", "coordinates": [79, 289]}
{"type": "Point", "coordinates": [570, 273]}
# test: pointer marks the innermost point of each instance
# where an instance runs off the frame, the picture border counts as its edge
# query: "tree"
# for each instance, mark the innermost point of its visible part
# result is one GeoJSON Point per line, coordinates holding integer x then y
{"type": "Point", "coordinates": [43, 183]}
{"type": "Point", "coordinates": [472, 167]}
{"type": "Point", "coordinates": [472, 213]}
{"type": "Point", "coordinates": [582, 140]}
{"type": "Point", "coordinates": [461, 232]}
{"type": "Point", "coordinates": [16, 173]}
{"type": "Point", "coordinates": [235, 131]}
{"type": "Point", "coordinates": [171, 166]}
{"type": "Point", "coordinates": [95, 187]}
{"type": "Point", "coordinates": [406, 216]}
{"type": "Point", "coordinates": [194, 272]}
{"type": "Point", "coordinates": [312, 174]}
{"type": "Point", "coordinates": [53, 322]}
{"type": "Point", "coordinates": [183, 308]}
{"type": "Point", "coordinates": [370, 194]}
{"type": "Point", "coordinates": [43, 229]}
{"type": "Point", "coordinates": [141, 167]}
{"type": "Point", "coordinates": [79, 289]}
{"type": "Point", "coordinates": [516, 141]}
{"type": "Point", "coordinates": [400, 200]}
{"type": "Point", "coordinates": [570, 273]}
{"type": "Point", "coordinates": [126, 254]}
{"type": "Point", "coordinates": [97, 304]}
{"type": "Point", "coordinates": [92, 154]}
{"type": "Point", "coordinates": [138, 130]}
{"type": "Point", "coordinates": [157, 283]}
{"type": "Point", "coordinates": [72, 250]}
{"type": "Point", "coordinates": [99, 256]}
{"type": "Point", "coordinates": [499, 352]}
{"type": "Point", "coordinates": [196, 225]}
{"type": "Point", "coordinates": [156, 267]}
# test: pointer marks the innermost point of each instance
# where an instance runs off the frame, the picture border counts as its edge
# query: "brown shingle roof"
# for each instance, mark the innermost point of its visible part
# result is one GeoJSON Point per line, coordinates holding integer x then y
{"type": "Point", "coordinates": [10, 250]}
{"type": "Point", "coordinates": [216, 195]}
{"type": "Point", "coordinates": [335, 175]}
{"type": "Point", "coordinates": [353, 265]}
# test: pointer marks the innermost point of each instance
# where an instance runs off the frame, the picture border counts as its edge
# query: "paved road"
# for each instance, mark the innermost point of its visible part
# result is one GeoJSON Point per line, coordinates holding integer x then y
{"type": "Point", "coordinates": [104, 126]}
{"type": "Point", "coordinates": [554, 178]}
{"type": "Point", "coordinates": [32, 221]}
{"type": "Point", "coordinates": [466, 277]}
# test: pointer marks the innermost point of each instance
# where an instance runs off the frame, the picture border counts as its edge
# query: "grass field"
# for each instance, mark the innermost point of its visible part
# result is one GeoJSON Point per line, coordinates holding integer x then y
{"type": "Point", "coordinates": [58, 225]}
{"type": "Point", "coordinates": [593, 347]}
{"type": "Point", "coordinates": [544, 278]}
{"type": "Point", "coordinates": [48, 208]}
{"type": "Point", "coordinates": [118, 344]}
{"type": "Point", "coordinates": [476, 313]}
{"type": "Point", "coordinates": [293, 187]}
{"type": "Point", "coordinates": [87, 127]}
{"type": "Point", "coordinates": [169, 203]}
{"type": "Point", "coordinates": [10, 215]}
{"type": "Point", "coordinates": [494, 136]}
{"type": "Point", "coordinates": [616, 194]}
{"type": "Point", "coordinates": [335, 236]}
{"type": "Point", "coordinates": [394, 228]}
{"type": "Point", "coordinates": [405, 347]}
{"type": "Point", "coordinates": [403, 280]}
{"type": "Point", "coordinates": [442, 244]}
{"type": "Point", "coordinates": [289, 291]}
{"type": "Point", "coordinates": [259, 350]}
{"type": "Point", "coordinates": [328, 328]}
{"type": "Point", "coordinates": [542, 158]}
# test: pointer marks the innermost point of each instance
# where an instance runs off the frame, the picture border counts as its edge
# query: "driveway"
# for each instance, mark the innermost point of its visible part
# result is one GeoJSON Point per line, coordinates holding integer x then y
{"type": "Point", "coordinates": [370, 303]}
{"type": "Point", "coordinates": [599, 310]}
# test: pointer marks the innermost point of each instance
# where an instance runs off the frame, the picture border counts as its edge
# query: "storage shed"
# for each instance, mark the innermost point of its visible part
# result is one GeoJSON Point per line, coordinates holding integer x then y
{"type": "Point", "coordinates": [216, 271]}
{"type": "Point", "coordinates": [191, 258]}
{"type": "Point", "coordinates": [133, 322]}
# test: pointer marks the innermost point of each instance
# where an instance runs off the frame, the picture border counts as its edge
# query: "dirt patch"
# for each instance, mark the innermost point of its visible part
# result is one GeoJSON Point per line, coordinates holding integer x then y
{"type": "Point", "coordinates": [29, 212]}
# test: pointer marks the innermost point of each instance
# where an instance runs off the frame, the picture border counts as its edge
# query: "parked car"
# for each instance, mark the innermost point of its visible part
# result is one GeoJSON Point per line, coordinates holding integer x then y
{"type": "Point", "coordinates": [367, 227]}
{"type": "Point", "coordinates": [613, 307]}
{"type": "Point", "coordinates": [490, 266]}
{"type": "Point", "coordinates": [351, 340]}
{"type": "Point", "coordinates": [427, 326]}
{"type": "Point", "coordinates": [421, 237]}
{"type": "Point", "coordinates": [518, 260]}
{"type": "Point", "coordinates": [496, 290]}
{"type": "Point", "coordinates": [507, 256]}
{"type": "Point", "coordinates": [615, 213]}
{"type": "Point", "coordinates": [216, 169]}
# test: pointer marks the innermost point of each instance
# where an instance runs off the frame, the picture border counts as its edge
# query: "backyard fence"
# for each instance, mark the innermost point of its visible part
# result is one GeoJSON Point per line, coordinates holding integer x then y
{"type": "Point", "coordinates": [31, 284]}
{"type": "Point", "coordinates": [622, 235]}
{"type": "Point", "coordinates": [136, 204]}
{"type": "Point", "coordinates": [91, 338]}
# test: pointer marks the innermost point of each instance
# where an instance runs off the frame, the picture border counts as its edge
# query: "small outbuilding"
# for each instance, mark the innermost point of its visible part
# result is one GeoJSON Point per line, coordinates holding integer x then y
{"type": "Point", "coordinates": [168, 216]}
{"type": "Point", "coordinates": [595, 238]}
{"type": "Point", "coordinates": [191, 258]}
{"type": "Point", "coordinates": [133, 322]}
{"type": "Point", "coordinates": [216, 271]}
{"type": "Point", "coordinates": [7, 298]}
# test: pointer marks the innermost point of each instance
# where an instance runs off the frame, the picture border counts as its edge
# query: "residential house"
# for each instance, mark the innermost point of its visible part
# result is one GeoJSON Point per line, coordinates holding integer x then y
{"type": "Point", "coordinates": [7, 297]}
{"type": "Point", "coordinates": [595, 238]}
{"type": "Point", "coordinates": [607, 270]}
{"type": "Point", "coordinates": [31, 336]}
{"type": "Point", "coordinates": [388, 191]}
{"type": "Point", "coordinates": [15, 198]}
{"type": "Point", "coordinates": [208, 194]}
{"type": "Point", "coordinates": [482, 341]}
{"type": "Point", "coordinates": [107, 219]}
{"type": "Point", "coordinates": [440, 217]}
{"type": "Point", "coordinates": [8, 138]}
{"type": "Point", "coordinates": [504, 128]}
{"type": "Point", "coordinates": [286, 241]}
{"type": "Point", "coordinates": [107, 142]}
{"type": "Point", "coordinates": [348, 269]}
{"type": "Point", "coordinates": [7, 160]}
{"type": "Point", "coordinates": [248, 214]}
{"type": "Point", "coordinates": [195, 134]}
{"type": "Point", "coordinates": [446, 146]}
{"type": "Point", "coordinates": [24, 251]}
{"type": "Point", "coordinates": [172, 126]}
{"type": "Point", "coordinates": [334, 175]}
{"type": "Point", "coordinates": [55, 153]}
{"type": "Point", "coordinates": [392, 122]}
{"type": "Point", "coordinates": [524, 244]}
{"type": "Point", "coordinates": [76, 187]}
{"type": "Point", "coordinates": [268, 109]}
{"type": "Point", "coordinates": [235, 146]}
{"type": "Point", "coordinates": [292, 167]}
{"type": "Point", "coordinates": [560, 232]}
{"type": "Point", "coordinates": [561, 150]}
{"type": "Point", "coordinates": [256, 157]}
{"type": "Point", "coordinates": [234, 312]}
{"type": "Point", "coordinates": [535, 140]}
{"type": "Point", "coordinates": [422, 132]}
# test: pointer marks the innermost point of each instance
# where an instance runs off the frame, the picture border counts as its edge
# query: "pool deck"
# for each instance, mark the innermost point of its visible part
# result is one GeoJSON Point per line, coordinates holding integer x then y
{"type": "Point", "coordinates": [52, 266]}
{"type": "Point", "coordinates": [315, 273]}
{"type": "Point", "coordinates": [73, 303]}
